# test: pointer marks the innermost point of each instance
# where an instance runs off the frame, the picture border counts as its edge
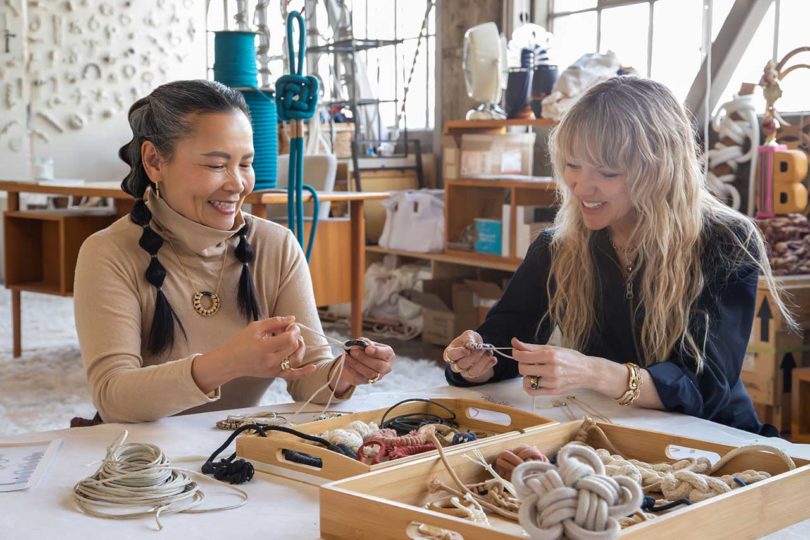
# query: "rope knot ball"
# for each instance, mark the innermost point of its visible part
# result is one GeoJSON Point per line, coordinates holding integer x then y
{"type": "Point", "coordinates": [575, 498]}
{"type": "Point", "coordinates": [296, 97]}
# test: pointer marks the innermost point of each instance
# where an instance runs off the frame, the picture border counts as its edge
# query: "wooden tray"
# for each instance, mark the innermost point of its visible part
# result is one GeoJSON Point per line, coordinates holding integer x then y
{"type": "Point", "coordinates": [388, 504]}
{"type": "Point", "coordinates": [266, 453]}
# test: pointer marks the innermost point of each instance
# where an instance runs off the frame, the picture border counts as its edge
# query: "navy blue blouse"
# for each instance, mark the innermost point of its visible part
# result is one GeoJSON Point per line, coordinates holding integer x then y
{"type": "Point", "coordinates": [727, 303]}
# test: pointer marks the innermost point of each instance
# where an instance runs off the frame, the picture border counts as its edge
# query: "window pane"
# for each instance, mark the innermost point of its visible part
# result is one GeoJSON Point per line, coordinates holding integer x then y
{"type": "Point", "coordinates": [677, 34]}
{"type": "Point", "coordinates": [749, 69]}
{"type": "Point", "coordinates": [574, 36]}
{"type": "Point", "coordinates": [410, 14]}
{"type": "Point", "coordinates": [624, 31]}
{"type": "Point", "coordinates": [561, 6]}
{"type": "Point", "coordinates": [382, 72]}
{"type": "Point", "coordinates": [720, 10]}
{"type": "Point", "coordinates": [381, 19]}
{"type": "Point", "coordinates": [793, 18]}
{"type": "Point", "coordinates": [417, 98]}
{"type": "Point", "coordinates": [359, 22]}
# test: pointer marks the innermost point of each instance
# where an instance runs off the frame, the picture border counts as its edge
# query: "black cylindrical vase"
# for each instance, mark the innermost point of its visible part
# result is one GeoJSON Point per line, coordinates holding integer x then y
{"type": "Point", "coordinates": [518, 93]}
{"type": "Point", "coordinates": [545, 75]}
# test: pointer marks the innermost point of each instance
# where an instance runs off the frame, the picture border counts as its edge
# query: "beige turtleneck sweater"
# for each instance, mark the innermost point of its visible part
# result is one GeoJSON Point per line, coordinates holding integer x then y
{"type": "Point", "coordinates": [114, 306]}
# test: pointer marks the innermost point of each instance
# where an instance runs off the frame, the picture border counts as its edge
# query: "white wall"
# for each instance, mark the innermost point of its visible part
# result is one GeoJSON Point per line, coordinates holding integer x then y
{"type": "Point", "coordinates": [86, 62]}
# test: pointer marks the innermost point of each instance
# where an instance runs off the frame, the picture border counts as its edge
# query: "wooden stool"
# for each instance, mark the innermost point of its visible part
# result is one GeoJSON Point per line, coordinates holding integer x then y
{"type": "Point", "coordinates": [800, 432]}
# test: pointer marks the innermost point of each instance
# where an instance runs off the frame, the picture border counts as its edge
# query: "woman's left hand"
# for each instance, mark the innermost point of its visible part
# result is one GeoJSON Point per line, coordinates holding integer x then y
{"type": "Point", "coordinates": [559, 370]}
{"type": "Point", "coordinates": [366, 365]}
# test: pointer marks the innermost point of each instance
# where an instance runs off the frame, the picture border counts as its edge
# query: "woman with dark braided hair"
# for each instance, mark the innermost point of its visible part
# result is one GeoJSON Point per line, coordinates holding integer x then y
{"type": "Point", "coordinates": [187, 304]}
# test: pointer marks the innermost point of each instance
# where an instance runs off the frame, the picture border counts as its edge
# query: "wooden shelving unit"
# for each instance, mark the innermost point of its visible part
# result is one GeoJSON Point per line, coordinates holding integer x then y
{"type": "Point", "coordinates": [490, 124]}
{"type": "Point", "coordinates": [469, 198]}
{"type": "Point", "coordinates": [485, 199]}
{"type": "Point", "coordinates": [454, 257]}
{"type": "Point", "coordinates": [42, 247]}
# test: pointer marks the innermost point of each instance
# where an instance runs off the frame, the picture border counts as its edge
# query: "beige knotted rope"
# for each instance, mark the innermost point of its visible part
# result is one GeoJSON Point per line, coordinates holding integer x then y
{"type": "Point", "coordinates": [575, 498]}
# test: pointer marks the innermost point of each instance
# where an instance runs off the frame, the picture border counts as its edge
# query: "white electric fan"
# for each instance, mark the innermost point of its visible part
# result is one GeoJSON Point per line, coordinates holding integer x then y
{"type": "Point", "coordinates": [485, 70]}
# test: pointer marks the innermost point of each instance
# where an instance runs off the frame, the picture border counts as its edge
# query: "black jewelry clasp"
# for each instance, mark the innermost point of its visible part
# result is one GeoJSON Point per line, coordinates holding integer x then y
{"type": "Point", "coordinates": [349, 343]}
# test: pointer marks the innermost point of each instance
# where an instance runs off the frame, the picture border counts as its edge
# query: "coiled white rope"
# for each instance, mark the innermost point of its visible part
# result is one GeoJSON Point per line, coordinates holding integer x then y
{"type": "Point", "coordinates": [140, 478]}
{"type": "Point", "coordinates": [575, 498]}
{"type": "Point", "coordinates": [746, 127]}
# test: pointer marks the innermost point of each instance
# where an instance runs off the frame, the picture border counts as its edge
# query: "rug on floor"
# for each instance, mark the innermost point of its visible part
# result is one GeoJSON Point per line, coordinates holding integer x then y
{"type": "Point", "coordinates": [46, 387]}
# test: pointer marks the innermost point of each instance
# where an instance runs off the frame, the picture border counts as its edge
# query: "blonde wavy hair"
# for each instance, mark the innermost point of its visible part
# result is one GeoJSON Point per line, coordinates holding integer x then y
{"type": "Point", "coordinates": [636, 126]}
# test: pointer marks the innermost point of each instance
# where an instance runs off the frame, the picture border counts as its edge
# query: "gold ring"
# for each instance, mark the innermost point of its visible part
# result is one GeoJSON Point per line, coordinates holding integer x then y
{"type": "Point", "coordinates": [375, 379]}
{"type": "Point", "coordinates": [447, 359]}
{"type": "Point", "coordinates": [534, 382]}
{"type": "Point", "coordinates": [285, 364]}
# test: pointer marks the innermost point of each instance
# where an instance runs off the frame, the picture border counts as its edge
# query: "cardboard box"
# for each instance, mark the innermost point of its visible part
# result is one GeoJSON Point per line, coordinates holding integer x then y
{"type": "Point", "coordinates": [496, 154]}
{"type": "Point", "coordinates": [768, 372]}
{"type": "Point", "coordinates": [485, 294]}
{"type": "Point", "coordinates": [450, 157]}
{"type": "Point", "coordinates": [447, 309]}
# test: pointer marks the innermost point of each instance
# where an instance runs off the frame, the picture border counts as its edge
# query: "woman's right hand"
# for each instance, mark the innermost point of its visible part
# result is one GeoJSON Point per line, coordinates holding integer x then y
{"type": "Point", "coordinates": [474, 366]}
{"type": "Point", "coordinates": [263, 346]}
{"type": "Point", "coordinates": [257, 351]}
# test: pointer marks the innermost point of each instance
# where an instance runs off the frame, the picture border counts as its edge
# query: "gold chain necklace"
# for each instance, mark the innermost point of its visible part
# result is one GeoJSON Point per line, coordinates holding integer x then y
{"type": "Point", "coordinates": [629, 267]}
{"type": "Point", "coordinates": [197, 299]}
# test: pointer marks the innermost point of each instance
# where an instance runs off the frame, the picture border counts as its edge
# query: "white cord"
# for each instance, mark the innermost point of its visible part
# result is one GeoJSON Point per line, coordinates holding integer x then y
{"type": "Point", "coordinates": [489, 347]}
{"type": "Point", "coordinates": [139, 477]}
{"type": "Point", "coordinates": [341, 361]}
{"type": "Point", "coordinates": [746, 127]}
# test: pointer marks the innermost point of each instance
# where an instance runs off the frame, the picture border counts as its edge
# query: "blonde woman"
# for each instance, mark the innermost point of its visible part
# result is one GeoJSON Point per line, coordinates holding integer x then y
{"type": "Point", "coordinates": [650, 279]}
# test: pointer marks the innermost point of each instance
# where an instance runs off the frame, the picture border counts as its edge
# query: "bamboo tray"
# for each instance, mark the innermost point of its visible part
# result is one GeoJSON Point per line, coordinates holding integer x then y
{"type": "Point", "coordinates": [388, 504]}
{"type": "Point", "coordinates": [266, 453]}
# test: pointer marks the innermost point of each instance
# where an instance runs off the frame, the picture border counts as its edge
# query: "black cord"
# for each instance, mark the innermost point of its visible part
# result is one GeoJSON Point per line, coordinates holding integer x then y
{"type": "Point", "coordinates": [240, 471]}
{"type": "Point", "coordinates": [406, 423]}
{"type": "Point", "coordinates": [648, 505]}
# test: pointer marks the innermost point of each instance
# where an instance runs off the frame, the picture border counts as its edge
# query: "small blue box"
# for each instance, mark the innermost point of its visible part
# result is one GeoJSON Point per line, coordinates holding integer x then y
{"type": "Point", "coordinates": [488, 236]}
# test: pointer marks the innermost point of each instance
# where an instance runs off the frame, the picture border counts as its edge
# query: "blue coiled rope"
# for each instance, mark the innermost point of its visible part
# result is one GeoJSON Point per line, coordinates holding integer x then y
{"type": "Point", "coordinates": [235, 66]}
{"type": "Point", "coordinates": [297, 100]}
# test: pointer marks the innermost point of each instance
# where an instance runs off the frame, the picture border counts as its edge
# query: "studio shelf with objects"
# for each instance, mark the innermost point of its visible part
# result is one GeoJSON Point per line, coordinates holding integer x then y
{"type": "Point", "coordinates": [470, 237]}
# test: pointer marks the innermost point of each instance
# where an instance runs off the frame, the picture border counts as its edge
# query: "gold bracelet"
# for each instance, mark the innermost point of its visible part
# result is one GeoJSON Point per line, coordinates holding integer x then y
{"type": "Point", "coordinates": [634, 382]}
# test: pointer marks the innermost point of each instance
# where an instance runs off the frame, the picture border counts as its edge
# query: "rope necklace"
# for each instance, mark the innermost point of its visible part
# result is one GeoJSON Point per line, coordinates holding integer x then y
{"type": "Point", "coordinates": [213, 297]}
{"type": "Point", "coordinates": [140, 477]}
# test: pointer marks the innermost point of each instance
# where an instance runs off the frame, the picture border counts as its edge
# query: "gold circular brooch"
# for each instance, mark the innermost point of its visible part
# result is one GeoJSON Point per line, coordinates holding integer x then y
{"type": "Point", "coordinates": [213, 306]}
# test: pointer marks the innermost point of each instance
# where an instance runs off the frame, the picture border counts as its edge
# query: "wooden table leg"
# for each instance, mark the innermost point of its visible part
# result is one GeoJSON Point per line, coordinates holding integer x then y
{"type": "Point", "coordinates": [16, 321]}
{"type": "Point", "coordinates": [358, 265]}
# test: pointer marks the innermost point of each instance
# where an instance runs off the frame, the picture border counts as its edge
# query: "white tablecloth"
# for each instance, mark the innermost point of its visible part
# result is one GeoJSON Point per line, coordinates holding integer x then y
{"type": "Point", "coordinates": [277, 508]}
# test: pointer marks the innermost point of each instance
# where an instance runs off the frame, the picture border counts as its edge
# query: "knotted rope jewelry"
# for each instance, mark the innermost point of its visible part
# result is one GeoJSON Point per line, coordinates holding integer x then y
{"type": "Point", "coordinates": [575, 497]}
{"type": "Point", "coordinates": [212, 296]}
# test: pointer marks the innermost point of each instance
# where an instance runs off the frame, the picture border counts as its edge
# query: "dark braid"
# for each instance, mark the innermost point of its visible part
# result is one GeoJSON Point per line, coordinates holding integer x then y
{"type": "Point", "coordinates": [161, 335]}
{"type": "Point", "coordinates": [247, 298]}
{"type": "Point", "coordinates": [163, 118]}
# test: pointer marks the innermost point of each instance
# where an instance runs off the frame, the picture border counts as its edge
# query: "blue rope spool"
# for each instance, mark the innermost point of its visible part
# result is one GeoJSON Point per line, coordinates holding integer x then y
{"type": "Point", "coordinates": [235, 66]}
{"type": "Point", "coordinates": [265, 137]}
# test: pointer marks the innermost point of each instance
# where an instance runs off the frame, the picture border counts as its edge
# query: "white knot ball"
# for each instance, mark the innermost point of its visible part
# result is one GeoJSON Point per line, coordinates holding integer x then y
{"type": "Point", "coordinates": [350, 438]}
{"type": "Point", "coordinates": [363, 429]}
{"type": "Point", "coordinates": [574, 498]}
